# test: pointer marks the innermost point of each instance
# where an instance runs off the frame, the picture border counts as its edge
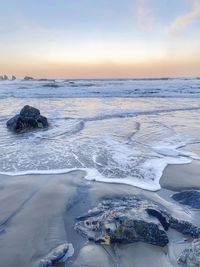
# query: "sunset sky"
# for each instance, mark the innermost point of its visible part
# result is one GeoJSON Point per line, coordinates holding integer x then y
{"type": "Point", "coordinates": [100, 38]}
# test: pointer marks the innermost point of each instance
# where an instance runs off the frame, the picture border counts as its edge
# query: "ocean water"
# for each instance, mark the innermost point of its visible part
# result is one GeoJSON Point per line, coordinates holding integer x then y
{"type": "Point", "coordinates": [118, 131]}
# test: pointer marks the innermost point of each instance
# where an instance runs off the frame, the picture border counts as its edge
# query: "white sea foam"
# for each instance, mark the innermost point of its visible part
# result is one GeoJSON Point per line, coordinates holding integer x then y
{"type": "Point", "coordinates": [124, 167]}
{"type": "Point", "coordinates": [152, 169]}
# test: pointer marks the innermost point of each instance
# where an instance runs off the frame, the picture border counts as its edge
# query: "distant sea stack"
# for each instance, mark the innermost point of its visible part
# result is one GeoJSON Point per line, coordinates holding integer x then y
{"type": "Point", "coordinates": [5, 78]}
{"type": "Point", "coordinates": [28, 118]}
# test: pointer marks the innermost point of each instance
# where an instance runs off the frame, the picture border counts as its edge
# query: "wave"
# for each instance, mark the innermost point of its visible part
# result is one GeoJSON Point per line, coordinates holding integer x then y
{"type": "Point", "coordinates": [51, 85]}
{"type": "Point", "coordinates": [60, 127]}
{"type": "Point", "coordinates": [95, 175]}
{"type": "Point", "coordinates": [144, 87]}
{"type": "Point", "coordinates": [113, 140]}
{"type": "Point", "coordinates": [112, 162]}
{"type": "Point", "coordinates": [139, 113]}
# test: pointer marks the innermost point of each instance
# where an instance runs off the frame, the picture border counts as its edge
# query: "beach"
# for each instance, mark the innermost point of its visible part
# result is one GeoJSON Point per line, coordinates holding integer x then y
{"type": "Point", "coordinates": [118, 144]}
{"type": "Point", "coordinates": [41, 210]}
{"type": "Point", "coordinates": [100, 133]}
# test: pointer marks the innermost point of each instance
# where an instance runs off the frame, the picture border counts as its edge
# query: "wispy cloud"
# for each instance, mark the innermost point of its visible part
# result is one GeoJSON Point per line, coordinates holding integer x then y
{"type": "Point", "coordinates": [182, 22]}
{"type": "Point", "coordinates": [145, 16]}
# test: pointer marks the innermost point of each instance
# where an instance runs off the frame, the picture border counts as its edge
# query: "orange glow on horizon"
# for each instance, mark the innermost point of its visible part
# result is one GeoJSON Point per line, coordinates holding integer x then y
{"type": "Point", "coordinates": [108, 69]}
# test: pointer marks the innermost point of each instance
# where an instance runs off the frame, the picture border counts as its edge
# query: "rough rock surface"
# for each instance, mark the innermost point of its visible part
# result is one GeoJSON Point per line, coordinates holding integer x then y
{"type": "Point", "coordinates": [131, 219]}
{"type": "Point", "coordinates": [190, 198]}
{"type": "Point", "coordinates": [58, 255]}
{"type": "Point", "coordinates": [168, 221]}
{"type": "Point", "coordinates": [190, 257]}
{"type": "Point", "coordinates": [29, 118]}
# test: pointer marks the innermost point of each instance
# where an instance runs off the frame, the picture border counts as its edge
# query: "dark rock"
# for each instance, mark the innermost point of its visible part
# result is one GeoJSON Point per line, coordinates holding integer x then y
{"type": "Point", "coordinates": [190, 257]}
{"type": "Point", "coordinates": [27, 78]}
{"type": "Point", "coordinates": [28, 118]}
{"type": "Point", "coordinates": [183, 227]}
{"type": "Point", "coordinates": [131, 219]}
{"type": "Point", "coordinates": [13, 78]}
{"type": "Point", "coordinates": [29, 112]}
{"type": "Point", "coordinates": [162, 219]}
{"type": "Point", "coordinates": [121, 221]}
{"type": "Point", "coordinates": [189, 198]}
{"type": "Point", "coordinates": [58, 255]}
{"type": "Point", "coordinates": [5, 77]}
{"type": "Point", "coordinates": [1, 78]}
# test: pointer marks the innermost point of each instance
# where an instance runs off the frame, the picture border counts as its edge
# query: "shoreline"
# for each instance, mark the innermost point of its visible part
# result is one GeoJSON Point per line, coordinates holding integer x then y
{"type": "Point", "coordinates": [47, 217]}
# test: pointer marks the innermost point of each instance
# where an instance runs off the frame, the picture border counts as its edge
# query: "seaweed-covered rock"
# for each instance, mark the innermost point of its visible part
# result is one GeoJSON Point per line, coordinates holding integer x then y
{"type": "Point", "coordinates": [131, 219]}
{"type": "Point", "coordinates": [190, 198]}
{"type": "Point", "coordinates": [190, 257]}
{"type": "Point", "coordinates": [121, 221]}
{"type": "Point", "coordinates": [58, 255]}
{"type": "Point", "coordinates": [29, 118]}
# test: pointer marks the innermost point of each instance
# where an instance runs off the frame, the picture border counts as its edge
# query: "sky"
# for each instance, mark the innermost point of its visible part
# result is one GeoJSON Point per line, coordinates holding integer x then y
{"type": "Point", "coordinates": [100, 38]}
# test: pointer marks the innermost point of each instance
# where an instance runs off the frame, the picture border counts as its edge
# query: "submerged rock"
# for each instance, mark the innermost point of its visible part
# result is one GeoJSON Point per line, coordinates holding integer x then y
{"type": "Point", "coordinates": [131, 219]}
{"type": "Point", "coordinates": [189, 198]}
{"type": "Point", "coordinates": [58, 255]}
{"type": "Point", "coordinates": [190, 257]}
{"type": "Point", "coordinates": [29, 118]}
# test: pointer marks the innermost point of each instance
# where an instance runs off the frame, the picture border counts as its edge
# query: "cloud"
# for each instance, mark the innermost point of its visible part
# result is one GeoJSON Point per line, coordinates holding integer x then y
{"type": "Point", "coordinates": [182, 22]}
{"type": "Point", "coordinates": [145, 16]}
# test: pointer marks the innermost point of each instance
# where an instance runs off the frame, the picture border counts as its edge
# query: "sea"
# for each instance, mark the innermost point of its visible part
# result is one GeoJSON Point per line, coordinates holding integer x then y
{"type": "Point", "coordinates": [122, 131]}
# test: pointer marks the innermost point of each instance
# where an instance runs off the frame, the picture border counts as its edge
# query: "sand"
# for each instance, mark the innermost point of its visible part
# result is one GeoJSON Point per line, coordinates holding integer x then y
{"type": "Point", "coordinates": [32, 210]}
{"type": "Point", "coordinates": [178, 178]}
{"type": "Point", "coordinates": [37, 213]}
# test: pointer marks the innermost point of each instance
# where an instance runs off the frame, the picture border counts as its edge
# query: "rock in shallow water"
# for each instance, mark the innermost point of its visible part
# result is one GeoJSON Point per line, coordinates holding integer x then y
{"type": "Point", "coordinates": [189, 198]}
{"type": "Point", "coordinates": [29, 118]}
{"type": "Point", "coordinates": [58, 255]}
{"type": "Point", "coordinates": [190, 257]}
{"type": "Point", "coordinates": [131, 219]}
{"type": "Point", "coordinates": [28, 78]}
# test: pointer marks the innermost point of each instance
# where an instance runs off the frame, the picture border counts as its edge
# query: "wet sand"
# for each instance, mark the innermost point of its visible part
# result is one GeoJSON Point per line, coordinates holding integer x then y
{"type": "Point", "coordinates": [37, 213]}
{"type": "Point", "coordinates": [184, 177]}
